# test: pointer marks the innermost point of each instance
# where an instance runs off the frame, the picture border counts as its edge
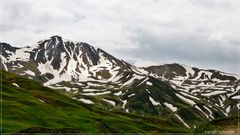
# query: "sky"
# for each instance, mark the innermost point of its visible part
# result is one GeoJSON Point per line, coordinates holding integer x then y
{"type": "Point", "coordinates": [199, 33]}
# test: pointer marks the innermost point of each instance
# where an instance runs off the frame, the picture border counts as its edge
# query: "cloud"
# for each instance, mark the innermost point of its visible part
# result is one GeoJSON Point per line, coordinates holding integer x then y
{"type": "Point", "coordinates": [194, 51]}
{"type": "Point", "coordinates": [195, 32]}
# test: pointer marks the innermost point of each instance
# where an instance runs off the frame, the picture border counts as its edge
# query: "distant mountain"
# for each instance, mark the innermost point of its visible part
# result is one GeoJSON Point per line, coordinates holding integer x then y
{"type": "Point", "coordinates": [212, 86]}
{"type": "Point", "coordinates": [91, 75]}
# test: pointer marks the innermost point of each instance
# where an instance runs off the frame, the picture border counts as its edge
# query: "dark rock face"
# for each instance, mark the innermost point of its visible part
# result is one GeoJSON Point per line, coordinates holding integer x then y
{"type": "Point", "coordinates": [217, 74]}
{"type": "Point", "coordinates": [53, 49]}
{"type": "Point", "coordinates": [7, 47]}
{"type": "Point", "coordinates": [5, 50]}
{"type": "Point", "coordinates": [169, 71]}
{"type": "Point", "coordinates": [90, 52]}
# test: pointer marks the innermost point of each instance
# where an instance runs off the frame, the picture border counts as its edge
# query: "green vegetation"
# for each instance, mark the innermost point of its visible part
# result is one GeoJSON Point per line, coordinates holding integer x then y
{"type": "Point", "coordinates": [32, 107]}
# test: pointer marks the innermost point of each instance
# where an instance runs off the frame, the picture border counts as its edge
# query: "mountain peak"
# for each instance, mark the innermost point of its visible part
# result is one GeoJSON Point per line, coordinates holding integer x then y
{"type": "Point", "coordinates": [60, 57]}
{"type": "Point", "coordinates": [55, 36]}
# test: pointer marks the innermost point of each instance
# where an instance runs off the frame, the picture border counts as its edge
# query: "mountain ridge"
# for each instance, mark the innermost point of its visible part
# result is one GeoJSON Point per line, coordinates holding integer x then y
{"type": "Point", "coordinates": [94, 76]}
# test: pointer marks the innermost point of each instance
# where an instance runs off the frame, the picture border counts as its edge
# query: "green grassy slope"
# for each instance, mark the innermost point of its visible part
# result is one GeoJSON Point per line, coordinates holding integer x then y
{"type": "Point", "coordinates": [32, 107]}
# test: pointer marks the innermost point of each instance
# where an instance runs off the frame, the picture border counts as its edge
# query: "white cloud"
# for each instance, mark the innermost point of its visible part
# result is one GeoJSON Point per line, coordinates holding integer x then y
{"type": "Point", "coordinates": [116, 26]}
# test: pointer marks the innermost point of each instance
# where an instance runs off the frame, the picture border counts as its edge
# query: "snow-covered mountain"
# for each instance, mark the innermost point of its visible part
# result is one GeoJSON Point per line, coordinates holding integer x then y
{"type": "Point", "coordinates": [93, 76]}
{"type": "Point", "coordinates": [58, 60]}
{"type": "Point", "coordinates": [211, 85]}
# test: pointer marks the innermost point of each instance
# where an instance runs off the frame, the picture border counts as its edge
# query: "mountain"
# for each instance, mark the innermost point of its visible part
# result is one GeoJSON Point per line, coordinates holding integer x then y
{"type": "Point", "coordinates": [219, 88]}
{"type": "Point", "coordinates": [57, 60]}
{"type": "Point", "coordinates": [191, 96]}
{"type": "Point", "coordinates": [29, 107]}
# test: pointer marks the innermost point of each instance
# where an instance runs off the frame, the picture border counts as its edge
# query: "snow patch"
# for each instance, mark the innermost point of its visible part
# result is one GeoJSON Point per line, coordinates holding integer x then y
{"type": "Point", "coordinates": [96, 94]}
{"type": "Point", "coordinates": [153, 101]}
{"type": "Point", "coordinates": [124, 103]}
{"type": "Point", "coordinates": [182, 120]}
{"type": "Point", "coordinates": [209, 111]}
{"type": "Point", "coordinates": [236, 97]}
{"type": "Point", "coordinates": [131, 95]}
{"type": "Point", "coordinates": [94, 84]}
{"type": "Point", "coordinates": [148, 91]}
{"type": "Point", "coordinates": [41, 100]}
{"type": "Point", "coordinates": [228, 109]}
{"type": "Point", "coordinates": [118, 93]}
{"type": "Point", "coordinates": [207, 76]}
{"type": "Point", "coordinates": [186, 100]}
{"type": "Point", "coordinates": [3, 59]}
{"type": "Point", "coordinates": [213, 93]}
{"type": "Point", "coordinates": [110, 102]}
{"type": "Point", "coordinates": [149, 83]}
{"type": "Point", "coordinates": [189, 70]}
{"type": "Point", "coordinates": [218, 80]}
{"type": "Point", "coordinates": [170, 106]}
{"type": "Point", "coordinates": [90, 90]}
{"type": "Point", "coordinates": [201, 111]}
{"type": "Point", "coordinates": [14, 84]}
{"type": "Point", "coordinates": [87, 101]}
{"type": "Point", "coordinates": [20, 54]}
{"type": "Point", "coordinates": [30, 72]}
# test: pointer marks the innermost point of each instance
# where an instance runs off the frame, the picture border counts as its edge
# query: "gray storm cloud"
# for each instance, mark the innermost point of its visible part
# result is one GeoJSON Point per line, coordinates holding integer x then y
{"type": "Point", "coordinates": [195, 32]}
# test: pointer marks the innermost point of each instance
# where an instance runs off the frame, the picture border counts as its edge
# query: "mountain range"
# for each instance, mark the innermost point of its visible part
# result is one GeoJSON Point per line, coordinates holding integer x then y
{"type": "Point", "coordinates": [188, 95]}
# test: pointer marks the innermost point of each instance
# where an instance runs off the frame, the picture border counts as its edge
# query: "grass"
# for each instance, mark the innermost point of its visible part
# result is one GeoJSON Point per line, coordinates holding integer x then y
{"type": "Point", "coordinates": [24, 111]}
